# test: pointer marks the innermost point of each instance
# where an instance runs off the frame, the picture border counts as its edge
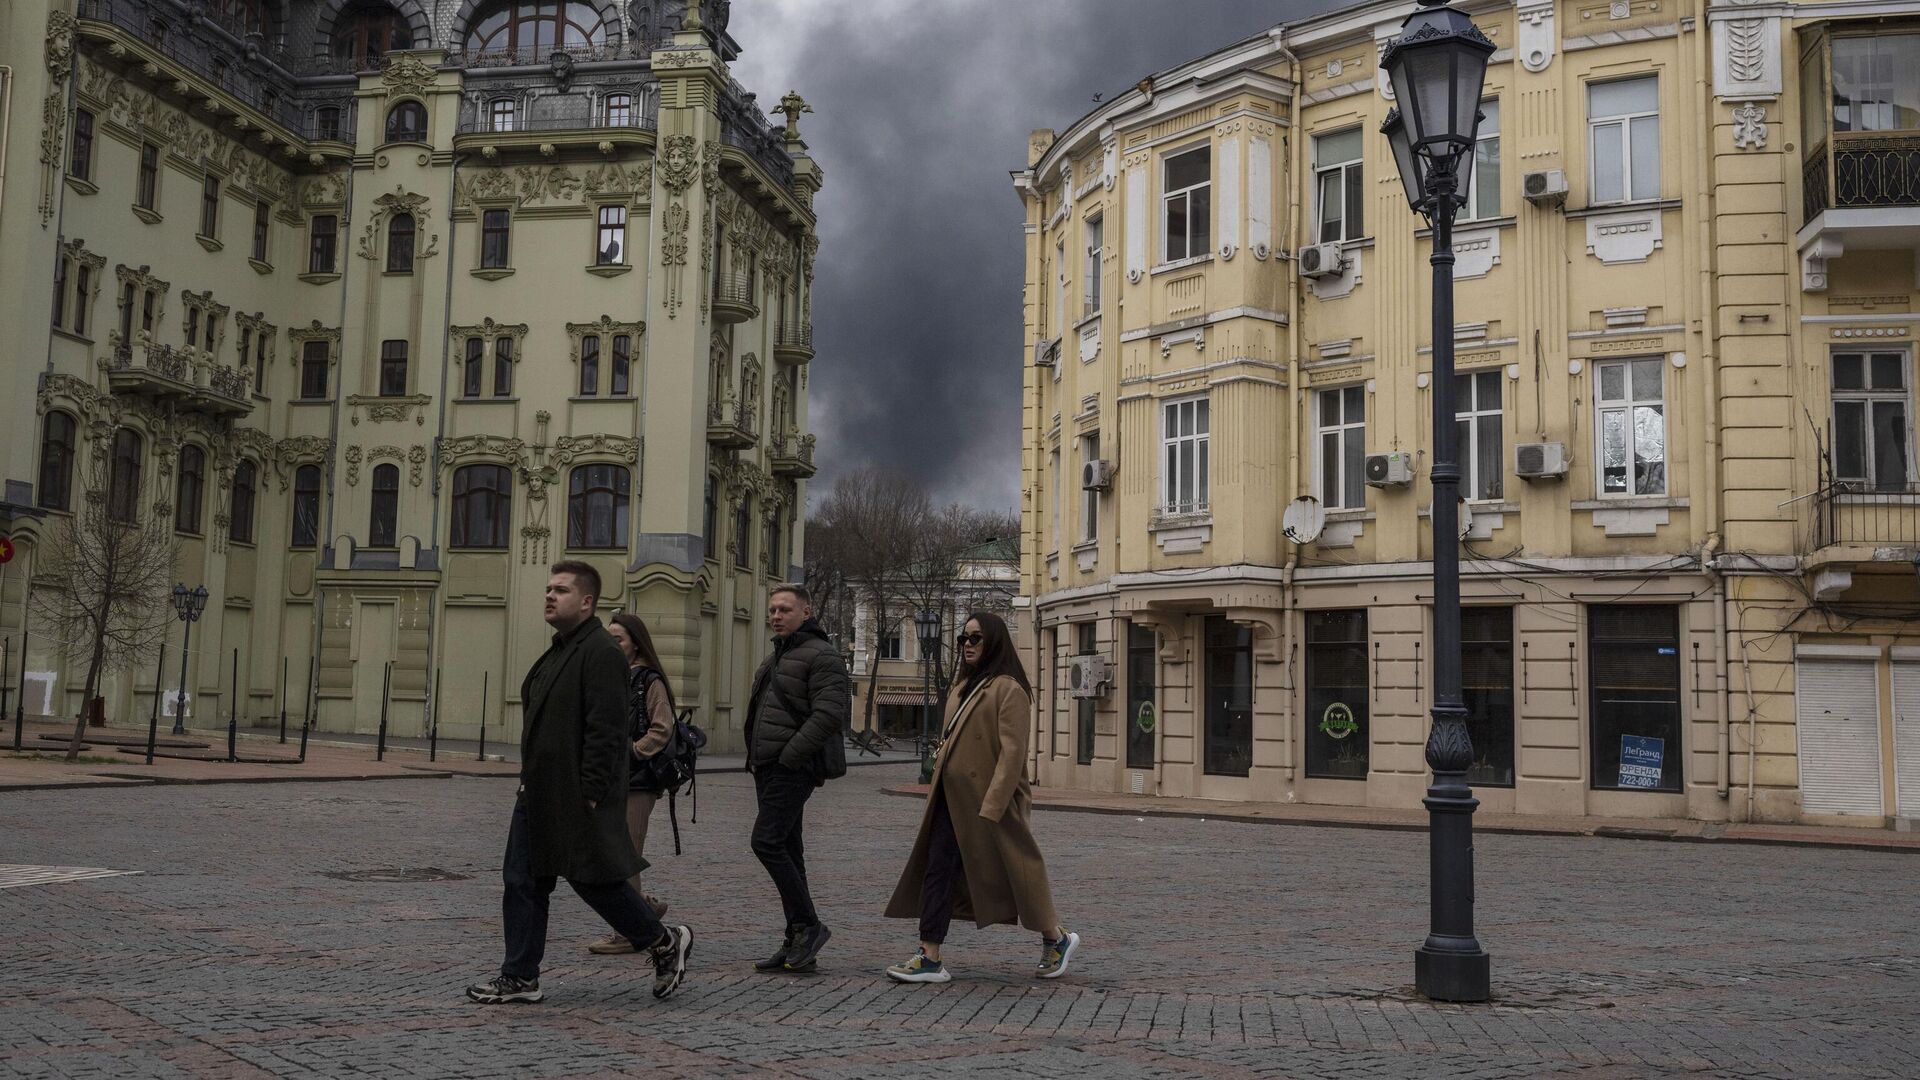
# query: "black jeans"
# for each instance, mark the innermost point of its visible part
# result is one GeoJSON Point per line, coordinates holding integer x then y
{"type": "Point", "coordinates": [524, 905]}
{"type": "Point", "coordinates": [782, 795]}
{"type": "Point", "coordinates": [943, 866]}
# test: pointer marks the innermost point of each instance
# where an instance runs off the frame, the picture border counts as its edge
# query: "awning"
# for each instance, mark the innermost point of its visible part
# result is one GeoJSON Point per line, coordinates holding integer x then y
{"type": "Point", "coordinates": [899, 697]}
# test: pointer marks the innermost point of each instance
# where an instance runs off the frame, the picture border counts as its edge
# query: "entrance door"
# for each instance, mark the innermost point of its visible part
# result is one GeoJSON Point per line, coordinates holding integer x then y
{"type": "Point", "coordinates": [1142, 717]}
{"type": "Point", "coordinates": [1838, 706]}
{"type": "Point", "coordinates": [1906, 735]}
{"type": "Point", "coordinates": [373, 648]}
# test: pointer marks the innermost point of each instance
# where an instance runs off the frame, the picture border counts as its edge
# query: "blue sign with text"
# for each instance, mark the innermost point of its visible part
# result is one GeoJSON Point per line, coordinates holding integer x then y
{"type": "Point", "coordinates": [1641, 758]}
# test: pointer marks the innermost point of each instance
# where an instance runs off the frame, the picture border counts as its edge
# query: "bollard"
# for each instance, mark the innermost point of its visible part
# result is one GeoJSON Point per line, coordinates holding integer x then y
{"type": "Point", "coordinates": [283, 701]}
{"type": "Point", "coordinates": [233, 710]}
{"type": "Point", "coordinates": [433, 720]}
{"type": "Point", "coordinates": [386, 687]}
{"type": "Point", "coordinates": [484, 676]}
{"type": "Point", "coordinates": [20, 699]}
{"type": "Point", "coordinates": [6, 645]}
{"type": "Point", "coordinates": [306, 721]}
{"type": "Point", "coordinates": [153, 721]}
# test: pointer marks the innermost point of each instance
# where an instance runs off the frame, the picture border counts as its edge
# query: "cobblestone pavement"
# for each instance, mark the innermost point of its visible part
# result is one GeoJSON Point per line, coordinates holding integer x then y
{"type": "Point", "coordinates": [1213, 949]}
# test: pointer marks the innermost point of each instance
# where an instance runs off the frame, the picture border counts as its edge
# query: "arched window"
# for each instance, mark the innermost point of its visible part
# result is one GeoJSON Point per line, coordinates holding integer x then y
{"type": "Point", "coordinates": [245, 16]}
{"type": "Point", "coordinates": [306, 506]}
{"type": "Point", "coordinates": [240, 520]}
{"type": "Point", "coordinates": [619, 110]}
{"type": "Point", "coordinates": [482, 501]}
{"type": "Point", "coordinates": [535, 26]}
{"type": "Point", "coordinates": [407, 122]}
{"type": "Point", "coordinates": [743, 533]}
{"type": "Point", "coordinates": [123, 481]}
{"type": "Point", "coordinates": [56, 462]}
{"type": "Point", "coordinates": [190, 489]}
{"type": "Point", "coordinates": [597, 507]}
{"type": "Point", "coordinates": [383, 525]}
{"type": "Point", "coordinates": [400, 230]}
{"type": "Point", "coordinates": [365, 32]}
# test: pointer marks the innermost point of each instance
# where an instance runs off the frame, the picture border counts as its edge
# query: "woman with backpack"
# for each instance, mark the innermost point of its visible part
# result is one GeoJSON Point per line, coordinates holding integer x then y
{"type": "Point", "coordinates": [650, 713]}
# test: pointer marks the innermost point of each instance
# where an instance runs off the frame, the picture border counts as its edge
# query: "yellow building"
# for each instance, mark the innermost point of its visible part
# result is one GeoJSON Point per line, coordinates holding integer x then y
{"type": "Point", "coordinates": [388, 306]}
{"type": "Point", "coordinates": [1686, 298]}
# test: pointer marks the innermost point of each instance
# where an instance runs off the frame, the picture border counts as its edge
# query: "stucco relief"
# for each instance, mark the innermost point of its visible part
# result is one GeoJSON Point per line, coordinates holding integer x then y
{"type": "Point", "coordinates": [1476, 251]}
{"type": "Point", "coordinates": [1537, 38]}
{"type": "Point", "coordinates": [1628, 236]}
{"type": "Point", "coordinates": [1746, 54]}
{"type": "Point", "coordinates": [1343, 283]}
{"type": "Point", "coordinates": [1749, 127]}
{"type": "Point", "coordinates": [408, 75]}
{"type": "Point", "coordinates": [53, 111]}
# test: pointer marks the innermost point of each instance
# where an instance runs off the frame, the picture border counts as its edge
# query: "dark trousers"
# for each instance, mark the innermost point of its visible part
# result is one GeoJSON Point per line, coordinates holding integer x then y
{"type": "Point", "coordinates": [524, 905]}
{"type": "Point", "coordinates": [782, 795]}
{"type": "Point", "coordinates": [943, 868]}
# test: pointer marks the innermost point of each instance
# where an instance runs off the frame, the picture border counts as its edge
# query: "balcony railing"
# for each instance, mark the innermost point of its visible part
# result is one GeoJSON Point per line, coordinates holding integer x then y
{"type": "Point", "coordinates": [733, 297]}
{"type": "Point", "coordinates": [1854, 169]}
{"type": "Point", "coordinates": [634, 122]}
{"type": "Point", "coordinates": [793, 344]}
{"type": "Point", "coordinates": [539, 56]}
{"type": "Point", "coordinates": [791, 454]}
{"type": "Point", "coordinates": [170, 372]}
{"type": "Point", "coordinates": [1852, 512]}
{"type": "Point", "coordinates": [207, 50]}
{"type": "Point", "coordinates": [730, 424]}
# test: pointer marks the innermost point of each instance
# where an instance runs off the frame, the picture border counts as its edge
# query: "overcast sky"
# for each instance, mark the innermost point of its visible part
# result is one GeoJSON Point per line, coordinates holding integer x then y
{"type": "Point", "coordinates": [922, 109]}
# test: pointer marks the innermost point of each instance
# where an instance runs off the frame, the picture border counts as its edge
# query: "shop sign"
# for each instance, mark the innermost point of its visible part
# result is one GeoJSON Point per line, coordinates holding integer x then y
{"type": "Point", "coordinates": [1337, 721]}
{"type": "Point", "coordinates": [1641, 759]}
{"type": "Point", "coordinates": [1145, 720]}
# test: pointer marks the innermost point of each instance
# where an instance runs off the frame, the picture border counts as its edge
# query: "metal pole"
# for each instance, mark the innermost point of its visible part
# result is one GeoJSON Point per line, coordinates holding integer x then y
{"type": "Point", "coordinates": [1450, 965]}
{"type": "Point", "coordinates": [153, 719]}
{"type": "Point", "coordinates": [306, 722]}
{"type": "Point", "coordinates": [283, 701]}
{"type": "Point", "coordinates": [386, 687]}
{"type": "Point", "coordinates": [433, 717]}
{"type": "Point", "coordinates": [20, 698]}
{"type": "Point", "coordinates": [6, 647]}
{"type": "Point", "coordinates": [926, 715]}
{"type": "Point", "coordinates": [233, 710]}
{"type": "Point", "coordinates": [484, 676]}
{"type": "Point", "coordinates": [180, 702]}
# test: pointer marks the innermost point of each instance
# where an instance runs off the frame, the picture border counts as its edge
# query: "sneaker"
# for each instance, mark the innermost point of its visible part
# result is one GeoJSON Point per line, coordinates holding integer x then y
{"type": "Point", "coordinates": [807, 944]}
{"type": "Point", "coordinates": [1055, 957]}
{"type": "Point", "coordinates": [670, 960]}
{"type": "Point", "coordinates": [613, 945]}
{"type": "Point", "coordinates": [919, 970]}
{"type": "Point", "coordinates": [505, 989]}
{"type": "Point", "coordinates": [779, 958]}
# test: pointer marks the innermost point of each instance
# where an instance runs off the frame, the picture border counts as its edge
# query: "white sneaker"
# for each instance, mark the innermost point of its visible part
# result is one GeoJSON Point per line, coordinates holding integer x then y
{"type": "Point", "coordinates": [1055, 956]}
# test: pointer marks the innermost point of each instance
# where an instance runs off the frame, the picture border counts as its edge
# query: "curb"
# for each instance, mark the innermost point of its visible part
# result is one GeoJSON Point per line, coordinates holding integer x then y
{"type": "Point", "coordinates": [180, 781]}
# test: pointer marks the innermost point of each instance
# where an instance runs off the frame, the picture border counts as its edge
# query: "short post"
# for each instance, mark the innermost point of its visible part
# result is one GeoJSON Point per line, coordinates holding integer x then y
{"type": "Point", "coordinates": [233, 710]}
{"type": "Point", "coordinates": [433, 721]}
{"type": "Point", "coordinates": [484, 677]}
{"type": "Point", "coordinates": [153, 719]}
{"type": "Point", "coordinates": [20, 699]}
{"type": "Point", "coordinates": [6, 645]}
{"type": "Point", "coordinates": [386, 687]}
{"type": "Point", "coordinates": [283, 701]}
{"type": "Point", "coordinates": [306, 721]}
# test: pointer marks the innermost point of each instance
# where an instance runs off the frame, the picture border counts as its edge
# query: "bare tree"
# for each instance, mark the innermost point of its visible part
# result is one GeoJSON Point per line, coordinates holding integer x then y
{"type": "Point", "coordinates": [940, 577]}
{"type": "Point", "coordinates": [871, 521]}
{"type": "Point", "coordinates": [102, 584]}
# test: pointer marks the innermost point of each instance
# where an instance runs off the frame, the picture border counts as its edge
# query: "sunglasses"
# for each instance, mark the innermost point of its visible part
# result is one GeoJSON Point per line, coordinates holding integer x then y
{"type": "Point", "coordinates": [971, 639]}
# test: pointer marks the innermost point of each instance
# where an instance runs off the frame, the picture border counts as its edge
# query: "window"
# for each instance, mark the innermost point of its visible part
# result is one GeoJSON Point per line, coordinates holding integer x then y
{"type": "Point", "coordinates": [383, 523]}
{"type": "Point", "coordinates": [589, 365]}
{"type": "Point", "coordinates": [1876, 83]}
{"type": "Point", "coordinates": [210, 206]}
{"type": "Point", "coordinates": [1623, 130]}
{"type": "Point", "coordinates": [743, 533]}
{"type": "Point", "coordinates": [1083, 708]}
{"type": "Point", "coordinates": [1632, 428]}
{"type": "Point", "coordinates": [60, 291]}
{"type": "Point", "coordinates": [306, 506]}
{"type": "Point", "coordinates": [400, 230]}
{"type": "Point", "coordinates": [262, 215]}
{"type": "Point", "coordinates": [213, 330]}
{"type": "Point", "coordinates": [147, 187]}
{"type": "Point", "coordinates": [1053, 488]}
{"type": "Point", "coordinates": [1060, 285]}
{"type": "Point", "coordinates": [80, 163]}
{"type": "Point", "coordinates": [82, 293]}
{"type": "Point", "coordinates": [407, 122]}
{"type": "Point", "coordinates": [597, 507]}
{"type": "Point", "coordinates": [1486, 680]}
{"type": "Point", "coordinates": [148, 301]}
{"type": "Point", "coordinates": [259, 360]}
{"type": "Point", "coordinates": [1095, 239]}
{"type": "Point", "coordinates": [772, 553]}
{"type": "Point", "coordinates": [123, 481]}
{"type": "Point", "coordinates": [190, 490]}
{"type": "Point", "coordinates": [493, 239]}
{"type": "Point", "coordinates": [1476, 414]}
{"type": "Point", "coordinates": [611, 246]}
{"type": "Point", "coordinates": [126, 312]}
{"type": "Point", "coordinates": [1634, 664]}
{"type": "Point", "coordinates": [1229, 689]}
{"type": "Point", "coordinates": [1184, 435]}
{"type": "Point", "coordinates": [891, 644]}
{"type": "Point", "coordinates": [710, 520]}
{"type": "Point", "coordinates": [619, 110]}
{"type": "Point", "coordinates": [313, 371]}
{"type": "Point", "coordinates": [240, 519]}
{"type": "Point", "coordinates": [393, 368]}
{"type": "Point", "coordinates": [366, 32]}
{"type": "Point", "coordinates": [57, 440]}
{"type": "Point", "coordinates": [474, 367]}
{"type": "Point", "coordinates": [1089, 498]}
{"type": "Point", "coordinates": [535, 25]}
{"type": "Point", "coordinates": [1337, 698]}
{"type": "Point", "coordinates": [1870, 421]}
{"type": "Point", "coordinates": [503, 367]}
{"type": "Point", "coordinates": [1343, 448]}
{"type": "Point", "coordinates": [500, 114]}
{"type": "Point", "coordinates": [326, 122]}
{"type": "Point", "coordinates": [1483, 168]}
{"type": "Point", "coordinates": [193, 327]}
{"type": "Point", "coordinates": [1338, 186]}
{"type": "Point", "coordinates": [1185, 212]}
{"type": "Point", "coordinates": [482, 502]}
{"type": "Point", "coordinates": [622, 373]}
{"type": "Point", "coordinates": [1139, 719]}
{"type": "Point", "coordinates": [323, 235]}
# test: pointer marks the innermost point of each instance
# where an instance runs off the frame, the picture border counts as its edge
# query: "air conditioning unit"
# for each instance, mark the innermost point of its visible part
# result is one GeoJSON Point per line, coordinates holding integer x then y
{"type": "Point", "coordinates": [1096, 476]}
{"type": "Point", "coordinates": [1540, 460]}
{"type": "Point", "coordinates": [1389, 470]}
{"type": "Point", "coordinates": [1087, 675]}
{"type": "Point", "coordinates": [1046, 353]}
{"type": "Point", "coordinates": [1545, 188]}
{"type": "Point", "coordinates": [1322, 260]}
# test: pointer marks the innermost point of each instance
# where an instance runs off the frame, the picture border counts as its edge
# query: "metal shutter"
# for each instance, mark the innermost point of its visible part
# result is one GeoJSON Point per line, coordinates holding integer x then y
{"type": "Point", "coordinates": [1906, 738]}
{"type": "Point", "coordinates": [1838, 705]}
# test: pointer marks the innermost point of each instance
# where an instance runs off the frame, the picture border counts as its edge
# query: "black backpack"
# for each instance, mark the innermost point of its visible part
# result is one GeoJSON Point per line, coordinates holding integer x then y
{"type": "Point", "coordinates": [677, 764]}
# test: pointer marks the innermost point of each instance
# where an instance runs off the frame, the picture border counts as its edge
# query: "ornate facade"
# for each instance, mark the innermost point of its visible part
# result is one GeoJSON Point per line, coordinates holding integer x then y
{"type": "Point", "coordinates": [415, 299]}
{"type": "Point", "coordinates": [1685, 298]}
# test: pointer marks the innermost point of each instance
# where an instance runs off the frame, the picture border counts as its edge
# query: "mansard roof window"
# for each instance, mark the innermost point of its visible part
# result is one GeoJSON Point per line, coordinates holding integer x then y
{"type": "Point", "coordinates": [535, 28]}
{"type": "Point", "coordinates": [366, 32]}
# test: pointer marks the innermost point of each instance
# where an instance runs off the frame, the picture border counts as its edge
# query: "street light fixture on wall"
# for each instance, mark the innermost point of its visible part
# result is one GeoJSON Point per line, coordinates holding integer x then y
{"type": "Point", "coordinates": [187, 604]}
{"type": "Point", "coordinates": [928, 625]}
{"type": "Point", "coordinates": [1438, 66]}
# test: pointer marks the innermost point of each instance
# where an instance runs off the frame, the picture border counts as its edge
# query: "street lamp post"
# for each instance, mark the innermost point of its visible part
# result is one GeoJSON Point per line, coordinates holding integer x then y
{"type": "Point", "coordinates": [1437, 66]}
{"type": "Point", "coordinates": [928, 624]}
{"type": "Point", "coordinates": [187, 604]}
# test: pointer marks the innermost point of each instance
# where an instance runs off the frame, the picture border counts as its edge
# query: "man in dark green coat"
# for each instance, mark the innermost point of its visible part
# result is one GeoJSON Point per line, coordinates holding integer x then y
{"type": "Point", "coordinates": [570, 817]}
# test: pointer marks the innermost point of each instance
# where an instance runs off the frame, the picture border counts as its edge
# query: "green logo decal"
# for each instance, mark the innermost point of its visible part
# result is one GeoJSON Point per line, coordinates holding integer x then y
{"type": "Point", "coordinates": [1145, 720]}
{"type": "Point", "coordinates": [1338, 722]}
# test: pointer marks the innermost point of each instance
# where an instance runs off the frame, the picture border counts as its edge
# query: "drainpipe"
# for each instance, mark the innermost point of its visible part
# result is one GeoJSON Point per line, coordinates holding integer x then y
{"type": "Point", "coordinates": [1710, 376]}
{"type": "Point", "coordinates": [1294, 395]}
{"type": "Point", "coordinates": [6, 125]}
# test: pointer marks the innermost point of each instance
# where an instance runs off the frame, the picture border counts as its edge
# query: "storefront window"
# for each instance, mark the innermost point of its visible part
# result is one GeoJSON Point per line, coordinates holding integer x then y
{"type": "Point", "coordinates": [1634, 667]}
{"type": "Point", "coordinates": [1486, 677]}
{"type": "Point", "coordinates": [1089, 643]}
{"type": "Point", "coordinates": [1229, 688]}
{"type": "Point", "coordinates": [1337, 697]}
{"type": "Point", "coordinates": [1142, 716]}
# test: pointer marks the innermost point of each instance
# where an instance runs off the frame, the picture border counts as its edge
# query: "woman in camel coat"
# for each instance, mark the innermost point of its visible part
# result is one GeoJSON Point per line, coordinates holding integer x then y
{"type": "Point", "coordinates": [975, 855]}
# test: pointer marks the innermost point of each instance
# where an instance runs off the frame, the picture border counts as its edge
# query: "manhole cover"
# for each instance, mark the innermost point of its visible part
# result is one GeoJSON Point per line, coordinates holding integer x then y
{"type": "Point", "coordinates": [399, 876]}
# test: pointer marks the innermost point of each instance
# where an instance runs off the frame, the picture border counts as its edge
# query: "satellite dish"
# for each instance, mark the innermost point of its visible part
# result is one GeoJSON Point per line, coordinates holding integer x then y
{"type": "Point", "coordinates": [1466, 519]}
{"type": "Point", "coordinates": [1303, 520]}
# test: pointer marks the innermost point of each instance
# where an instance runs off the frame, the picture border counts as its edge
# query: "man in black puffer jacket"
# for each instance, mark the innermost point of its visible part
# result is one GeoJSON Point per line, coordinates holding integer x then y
{"type": "Point", "coordinates": [795, 721]}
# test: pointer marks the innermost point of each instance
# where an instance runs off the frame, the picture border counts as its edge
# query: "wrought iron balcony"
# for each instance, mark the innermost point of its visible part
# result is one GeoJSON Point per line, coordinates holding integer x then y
{"type": "Point", "coordinates": [636, 121]}
{"type": "Point", "coordinates": [1862, 169]}
{"type": "Point", "coordinates": [190, 380]}
{"type": "Point", "coordinates": [733, 298]}
{"type": "Point", "coordinates": [210, 52]}
{"type": "Point", "coordinates": [791, 454]}
{"type": "Point", "coordinates": [793, 345]}
{"type": "Point", "coordinates": [730, 425]}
